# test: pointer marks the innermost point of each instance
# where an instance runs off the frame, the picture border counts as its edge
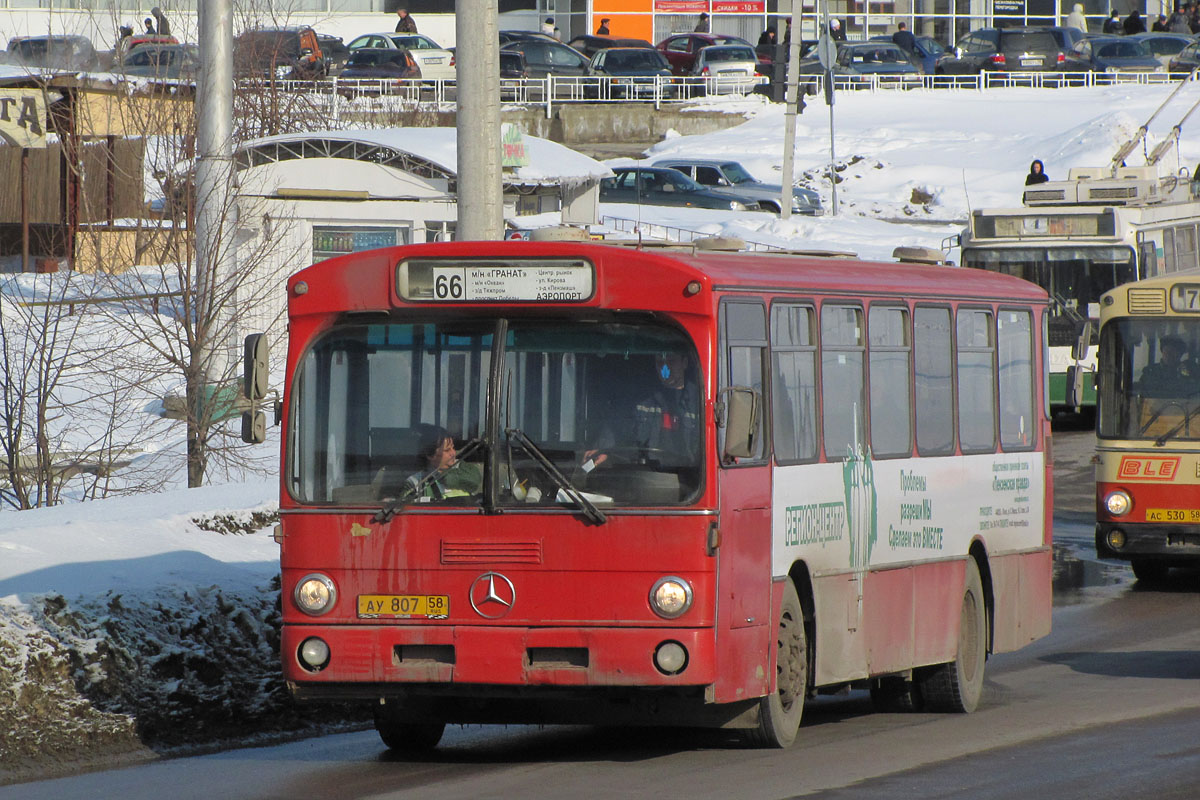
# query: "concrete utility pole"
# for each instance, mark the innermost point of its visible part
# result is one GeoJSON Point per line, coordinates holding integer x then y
{"type": "Point", "coordinates": [215, 216]}
{"type": "Point", "coordinates": [480, 188]}
{"type": "Point", "coordinates": [789, 114]}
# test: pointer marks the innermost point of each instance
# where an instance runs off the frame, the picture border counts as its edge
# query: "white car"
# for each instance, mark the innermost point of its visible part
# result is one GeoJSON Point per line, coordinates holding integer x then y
{"type": "Point", "coordinates": [731, 67]}
{"type": "Point", "coordinates": [435, 62]}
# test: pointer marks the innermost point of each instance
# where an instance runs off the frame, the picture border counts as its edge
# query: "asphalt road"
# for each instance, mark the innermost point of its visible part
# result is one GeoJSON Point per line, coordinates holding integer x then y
{"type": "Point", "coordinates": [1106, 706]}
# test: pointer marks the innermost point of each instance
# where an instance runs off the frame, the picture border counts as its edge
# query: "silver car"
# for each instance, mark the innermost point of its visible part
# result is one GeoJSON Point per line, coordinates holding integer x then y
{"type": "Point", "coordinates": [730, 177]}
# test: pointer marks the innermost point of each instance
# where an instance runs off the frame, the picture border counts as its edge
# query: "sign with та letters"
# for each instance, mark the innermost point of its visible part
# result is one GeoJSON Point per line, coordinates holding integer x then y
{"type": "Point", "coordinates": [23, 117]}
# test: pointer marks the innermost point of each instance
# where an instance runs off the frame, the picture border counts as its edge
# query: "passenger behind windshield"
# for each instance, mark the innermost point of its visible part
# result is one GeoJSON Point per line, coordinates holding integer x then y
{"type": "Point", "coordinates": [1173, 375]}
{"type": "Point", "coordinates": [444, 475]}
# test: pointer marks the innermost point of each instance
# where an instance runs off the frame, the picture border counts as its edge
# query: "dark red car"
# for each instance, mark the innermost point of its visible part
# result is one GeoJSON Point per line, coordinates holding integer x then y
{"type": "Point", "coordinates": [681, 48]}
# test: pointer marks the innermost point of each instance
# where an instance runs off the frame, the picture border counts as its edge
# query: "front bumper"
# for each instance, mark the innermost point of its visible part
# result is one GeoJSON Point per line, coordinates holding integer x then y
{"type": "Point", "coordinates": [1142, 540]}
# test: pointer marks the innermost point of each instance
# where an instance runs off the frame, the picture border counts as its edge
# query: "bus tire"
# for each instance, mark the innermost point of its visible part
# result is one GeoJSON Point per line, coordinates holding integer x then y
{"type": "Point", "coordinates": [407, 737]}
{"type": "Point", "coordinates": [1148, 571]}
{"type": "Point", "coordinates": [780, 711]}
{"type": "Point", "coordinates": [955, 687]}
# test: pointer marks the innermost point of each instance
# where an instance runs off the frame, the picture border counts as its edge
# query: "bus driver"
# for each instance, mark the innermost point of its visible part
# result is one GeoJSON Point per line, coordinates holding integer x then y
{"type": "Point", "coordinates": [1172, 375]}
{"type": "Point", "coordinates": [454, 478]}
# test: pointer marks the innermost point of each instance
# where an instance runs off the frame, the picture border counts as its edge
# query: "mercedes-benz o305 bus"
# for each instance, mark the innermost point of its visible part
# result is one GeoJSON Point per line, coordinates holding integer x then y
{"type": "Point", "coordinates": [573, 482]}
{"type": "Point", "coordinates": [1148, 425]}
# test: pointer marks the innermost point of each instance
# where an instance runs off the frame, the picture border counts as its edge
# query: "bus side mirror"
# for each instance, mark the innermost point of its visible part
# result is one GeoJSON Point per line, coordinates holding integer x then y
{"type": "Point", "coordinates": [741, 422]}
{"type": "Point", "coordinates": [1076, 375]}
{"type": "Point", "coordinates": [1079, 350]}
{"type": "Point", "coordinates": [254, 427]}
{"type": "Point", "coordinates": [255, 367]}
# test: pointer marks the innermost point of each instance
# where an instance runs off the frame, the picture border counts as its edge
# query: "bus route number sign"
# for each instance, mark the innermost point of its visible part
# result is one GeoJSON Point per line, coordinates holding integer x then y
{"type": "Point", "coordinates": [511, 283]}
{"type": "Point", "coordinates": [1185, 297]}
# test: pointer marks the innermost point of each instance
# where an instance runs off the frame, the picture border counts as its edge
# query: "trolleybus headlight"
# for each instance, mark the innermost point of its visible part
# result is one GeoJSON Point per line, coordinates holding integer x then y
{"type": "Point", "coordinates": [670, 597]}
{"type": "Point", "coordinates": [315, 594]}
{"type": "Point", "coordinates": [1118, 503]}
{"type": "Point", "coordinates": [670, 658]}
{"type": "Point", "coordinates": [314, 654]}
{"type": "Point", "coordinates": [1116, 538]}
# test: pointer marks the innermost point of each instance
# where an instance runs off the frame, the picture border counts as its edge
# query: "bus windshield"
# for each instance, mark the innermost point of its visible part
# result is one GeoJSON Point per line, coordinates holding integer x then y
{"type": "Point", "coordinates": [613, 405]}
{"type": "Point", "coordinates": [1074, 277]}
{"type": "Point", "coordinates": [1150, 379]}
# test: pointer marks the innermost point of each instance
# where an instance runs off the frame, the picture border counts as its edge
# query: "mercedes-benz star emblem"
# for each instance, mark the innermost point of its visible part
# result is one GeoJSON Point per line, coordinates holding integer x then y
{"type": "Point", "coordinates": [492, 595]}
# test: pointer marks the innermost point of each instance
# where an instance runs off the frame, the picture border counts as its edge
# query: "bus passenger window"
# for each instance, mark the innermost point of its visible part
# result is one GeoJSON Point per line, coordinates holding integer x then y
{"type": "Point", "coordinates": [891, 408]}
{"type": "Point", "coordinates": [793, 383]}
{"type": "Point", "coordinates": [1015, 344]}
{"type": "Point", "coordinates": [842, 385]}
{"type": "Point", "coordinates": [934, 390]}
{"type": "Point", "coordinates": [976, 382]}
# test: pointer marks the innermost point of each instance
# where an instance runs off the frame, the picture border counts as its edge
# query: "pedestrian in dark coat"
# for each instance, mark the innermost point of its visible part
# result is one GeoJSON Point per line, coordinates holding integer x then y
{"type": "Point", "coordinates": [603, 29]}
{"type": "Point", "coordinates": [1113, 24]}
{"type": "Point", "coordinates": [1133, 23]}
{"type": "Point", "coordinates": [702, 25]}
{"type": "Point", "coordinates": [767, 37]}
{"type": "Point", "coordinates": [1037, 174]}
{"type": "Point", "coordinates": [904, 39]}
{"type": "Point", "coordinates": [1160, 24]}
{"type": "Point", "coordinates": [164, 27]}
{"type": "Point", "coordinates": [406, 24]}
{"type": "Point", "coordinates": [836, 31]}
{"type": "Point", "coordinates": [149, 23]}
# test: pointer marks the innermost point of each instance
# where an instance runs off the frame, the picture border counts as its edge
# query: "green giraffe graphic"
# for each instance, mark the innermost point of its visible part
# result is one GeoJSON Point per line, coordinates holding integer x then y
{"type": "Point", "coordinates": [858, 482]}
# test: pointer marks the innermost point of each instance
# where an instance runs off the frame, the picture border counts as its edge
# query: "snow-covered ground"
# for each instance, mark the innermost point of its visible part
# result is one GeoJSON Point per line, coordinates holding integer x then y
{"type": "Point", "coordinates": [151, 619]}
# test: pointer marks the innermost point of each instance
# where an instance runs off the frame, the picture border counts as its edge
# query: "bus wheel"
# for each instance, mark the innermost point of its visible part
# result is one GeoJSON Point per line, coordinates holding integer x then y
{"type": "Point", "coordinates": [779, 712]}
{"type": "Point", "coordinates": [1147, 571]}
{"type": "Point", "coordinates": [406, 737]}
{"type": "Point", "coordinates": [956, 687]}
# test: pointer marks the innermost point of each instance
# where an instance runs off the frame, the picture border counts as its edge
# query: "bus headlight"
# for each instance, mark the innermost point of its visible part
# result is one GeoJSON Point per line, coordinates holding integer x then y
{"type": "Point", "coordinates": [1118, 503]}
{"type": "Point", "coordinates": [315, 594]}
{"type": "Point", "coordinates": [314, 654]}
{"type": "Point", "coordinates": [671, 597]}
{"type": "Point", "coordinates": [670, 658]}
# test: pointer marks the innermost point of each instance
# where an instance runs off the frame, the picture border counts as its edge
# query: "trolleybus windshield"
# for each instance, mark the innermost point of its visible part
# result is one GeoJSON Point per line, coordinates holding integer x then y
{"type": "Point", "coordinates": [612, 404]}
{"type": "Point", "coordinates": [1151, 383]}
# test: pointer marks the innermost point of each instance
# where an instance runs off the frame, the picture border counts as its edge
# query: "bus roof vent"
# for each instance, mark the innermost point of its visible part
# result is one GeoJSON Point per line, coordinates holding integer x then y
{"type": "Point", "coordinates": [723, 243]}
{"type": "Point", "coordinates": [1045, 196]}
{"type": "Point", "coordinates": [559, 233]}
{"type": "Point", "coordinates": [1085, 173]}
{"type": "Point", "coordinates": [1147, 301]}
{"type": "Point", "coordinates": [919, 255]}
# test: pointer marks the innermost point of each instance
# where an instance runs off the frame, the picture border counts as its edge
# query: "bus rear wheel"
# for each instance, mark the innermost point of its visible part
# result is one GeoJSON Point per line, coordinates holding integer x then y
{"type": "Point", "coordinates": [780, 711]}
{"type": "Point", "coordinates": [406, 737]}
{"type": "Point", "coordinates": [956, 687]}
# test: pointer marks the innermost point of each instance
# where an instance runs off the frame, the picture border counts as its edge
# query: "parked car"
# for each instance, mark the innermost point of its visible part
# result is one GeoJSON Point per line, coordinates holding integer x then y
{"type": "Point", "coordinates": [731, 179]}
{"type": "Point", "coordinates": [127, 44]}
{"type": "Point", "coordinates": [283, 53]}
{"type": "Point", "coordinates": [1164, 45]}
{"type": "Point", "coordinates": [1111, 54]}
{"type": "Point", "coordinates": [1030, 49]}
{"type": "Point", "coordinates": [590, 44]}
{"type": "Point", "coordinates": [1066, 36]}
{"type": "Point", "coordinates": [656, 186]}
{"type": "Point", "coordinates": [53, 52]}
{"type": "Point", "coordinates": [732, 67]}
{"type": "Point", "coordinates": [436, 63]}
{"type": "Point", "coordinates": [546, 56]}
{"type": "Point", "coordinates": [172, 61]}
{"type": "Point", "coordinates": [1187, 61]}
{"type": "Point", "coordinates": [379, 67]}
{"type": "Point", "coordinates": [681, 48]}
{"type": "Point", "coordinates": [867, 61]}
{"type": "Point", "coordinates": [334, 50]}
{"type": "Point", "coordinates": [511, 37]}
{"type": "Point", "coordinates": [513, 69]}
{"type": "Point", "coordinates": [630, 71]}
{"type": "Point", "coordinates": [925, 54]}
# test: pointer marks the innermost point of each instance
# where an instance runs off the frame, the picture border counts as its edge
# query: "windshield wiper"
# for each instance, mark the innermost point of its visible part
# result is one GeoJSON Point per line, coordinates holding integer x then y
{"type": "Point", "coordinates": [411, 491]}
{"type": "Point", "coordinates": [589, 508]}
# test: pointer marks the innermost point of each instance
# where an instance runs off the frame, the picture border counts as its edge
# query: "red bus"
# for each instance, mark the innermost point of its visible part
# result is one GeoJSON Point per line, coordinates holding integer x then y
{"type": "Point", "coordinates": [573, 482]}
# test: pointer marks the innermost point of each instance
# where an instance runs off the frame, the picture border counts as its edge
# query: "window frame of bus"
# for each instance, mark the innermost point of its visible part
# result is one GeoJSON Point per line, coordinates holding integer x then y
{"type": "Point", "coordinates": [952, 448]}
{"type": "Point", "coordinates": [959, 351]}
{"type": "Point", "coordinates": [861, 348]}
{"type": "Point", "coordinates": [726, 346]}
{"type": "Point", "coordinates": [779, 308]}
{"type": "Point", "coordinates": [907, 348]}
{"type": "Point", "coordinates": [1035, 431]}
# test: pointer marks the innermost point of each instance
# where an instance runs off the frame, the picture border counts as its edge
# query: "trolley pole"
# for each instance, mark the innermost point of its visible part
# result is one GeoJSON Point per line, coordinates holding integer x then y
{"type": "Point", "coordinates": [790, 103]}
{"type": "Point", "coordinates": [480, 188]}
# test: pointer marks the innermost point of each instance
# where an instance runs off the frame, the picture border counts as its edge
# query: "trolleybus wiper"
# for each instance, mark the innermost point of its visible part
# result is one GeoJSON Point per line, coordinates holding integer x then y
{"type": "Point", "coordinates": [589, 508]}
{"type": "Point", "coordinates": [412, 491]}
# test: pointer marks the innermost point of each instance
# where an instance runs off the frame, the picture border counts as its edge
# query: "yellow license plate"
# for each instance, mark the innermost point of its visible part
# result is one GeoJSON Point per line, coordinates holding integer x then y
{"type": "Point", "coordinates": [1173, 515]}
{"type": "Point", "coordinates": [430, 606]}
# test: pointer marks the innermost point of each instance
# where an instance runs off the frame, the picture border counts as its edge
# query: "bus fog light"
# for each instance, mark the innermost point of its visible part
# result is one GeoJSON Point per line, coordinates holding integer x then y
{"type": "Point", "coordinates": [315, 594]}
{"type": "Point", "coordinates": [671, 658]}
{"type": "Point", "coordinates": [1118, 503]}
{"type": "Point", "coordinates": [314, 654]}
{"type": "Point", "coordinates": [670, 597]}
{"type": "Point", "coordinates": [1116, 538]}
